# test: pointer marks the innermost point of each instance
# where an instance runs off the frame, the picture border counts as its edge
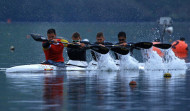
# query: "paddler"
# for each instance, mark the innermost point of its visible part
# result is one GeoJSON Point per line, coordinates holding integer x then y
{"type": "Point", "coordinates": [53, 49]}
{"type": "Point", "coordinates": [122, 42]}
{"type": "Point", "coordinates": [159, 52]}
{"type": "Point", "coordinates": [180, 48]}
{"type": "Point", "coordinates": [77, 50]}
{"type": "Point", "coordinates": [100, 40]}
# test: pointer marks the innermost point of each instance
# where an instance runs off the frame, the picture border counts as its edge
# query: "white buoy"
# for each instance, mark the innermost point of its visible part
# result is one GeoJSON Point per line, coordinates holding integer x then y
{"type": "Point", "coordinates": [12, 48]}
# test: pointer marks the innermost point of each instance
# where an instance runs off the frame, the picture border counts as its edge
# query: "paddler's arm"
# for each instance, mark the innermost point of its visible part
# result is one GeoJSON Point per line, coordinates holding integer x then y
{"type": "Point", "coordinates": [46, 45]}
{"type": "Point", "coordinates": [85, 44]}
{"type": "Point", "coordinates": [79, 45]}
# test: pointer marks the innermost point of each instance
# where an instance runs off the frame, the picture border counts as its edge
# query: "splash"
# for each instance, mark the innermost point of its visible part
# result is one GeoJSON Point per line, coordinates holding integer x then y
{"type": "Point", "coordinates": [128, 62]}
{"type": "Point", "coordinates": [173, 62]}
{"type": "Point", "coordinates": [105, 62]}
{"type": "Point", "coordinates": [92, 65]}
{"type": "Point", "coordinates": [154, 62]}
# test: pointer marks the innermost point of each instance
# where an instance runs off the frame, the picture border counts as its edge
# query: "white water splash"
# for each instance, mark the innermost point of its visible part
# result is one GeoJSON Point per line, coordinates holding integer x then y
{"type": "Point", "coordinates": [106, 62]}
{"type": "Point", "coordinates": [173, 62]}
{"type": "Point", "coordinates": [128, 62]}
{"type": "Point", "coordinates": [92, 65]}
{"type": "Point", "coordinates": [154, 62]}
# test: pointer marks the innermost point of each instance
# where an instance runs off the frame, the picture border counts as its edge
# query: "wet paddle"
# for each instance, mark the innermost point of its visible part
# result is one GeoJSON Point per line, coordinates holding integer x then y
{"type": "Point", "coordinates": [38, 37]}
{"type": "Point", "coordinates": [162, 46]}
{"type": "Point", "coordinates": [99, 49]}
{"type": "Point", "coordinates": [125, 50]}
{"type": "Point", "coordinates": [120, 50]}
{"type": "Point", "coordinates": [144, 45]}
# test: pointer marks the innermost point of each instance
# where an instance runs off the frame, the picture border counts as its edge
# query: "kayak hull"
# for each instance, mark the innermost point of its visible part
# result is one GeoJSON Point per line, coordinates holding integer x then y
{"type": "Point", "coordinates": [71, 66]}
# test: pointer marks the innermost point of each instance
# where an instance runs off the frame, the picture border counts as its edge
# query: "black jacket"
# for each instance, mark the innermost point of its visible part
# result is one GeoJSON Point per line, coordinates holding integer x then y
{"type": "Point", "coordinates": [76, 52]}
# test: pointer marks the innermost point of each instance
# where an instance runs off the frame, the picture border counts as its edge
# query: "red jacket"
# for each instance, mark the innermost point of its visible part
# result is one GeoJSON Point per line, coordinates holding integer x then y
{"type": "Point", "coordinates": [54, 52]}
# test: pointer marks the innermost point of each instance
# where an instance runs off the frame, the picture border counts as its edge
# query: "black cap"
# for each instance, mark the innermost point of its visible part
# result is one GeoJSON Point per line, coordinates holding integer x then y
{"type": "Point", "coordinates": [182, 38]}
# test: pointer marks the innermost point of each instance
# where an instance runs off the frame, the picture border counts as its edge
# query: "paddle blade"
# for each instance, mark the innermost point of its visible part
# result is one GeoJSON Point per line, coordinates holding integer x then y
{"type": "Point", "coordinates": [100, 49]}
{"type": "Point", "coordinates": [144, 45]}
{"type": "Point", "coordinates": [120, 50]}
{"type": "Point", "coordinates": [162, 46]}
{"type": "Point", "coordinates": [38, 37]}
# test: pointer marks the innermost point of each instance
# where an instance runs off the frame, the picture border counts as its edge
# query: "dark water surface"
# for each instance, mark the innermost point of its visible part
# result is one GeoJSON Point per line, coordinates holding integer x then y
{"type": "Point", "coordinates": [87, 90]}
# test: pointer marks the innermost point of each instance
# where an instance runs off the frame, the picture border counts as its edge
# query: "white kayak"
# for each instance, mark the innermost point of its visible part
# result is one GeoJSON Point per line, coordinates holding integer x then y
{"type": "Point", "coordinates": [70, 66]}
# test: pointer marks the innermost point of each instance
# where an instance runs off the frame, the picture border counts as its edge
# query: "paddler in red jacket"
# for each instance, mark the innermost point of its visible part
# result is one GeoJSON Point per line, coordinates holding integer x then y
{"type": "Point", "coordinates": [180, 48]}
{"type": "Point", "coordinates": [53, 49]}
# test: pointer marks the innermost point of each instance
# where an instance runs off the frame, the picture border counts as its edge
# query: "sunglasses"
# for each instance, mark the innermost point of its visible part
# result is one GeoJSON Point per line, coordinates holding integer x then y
{"type": "Point", "coordinates": [121, 39]}
{"type": "Point", "coordinates": [76, 40]}
{"type": "Point", "coordinates": [99, 39]}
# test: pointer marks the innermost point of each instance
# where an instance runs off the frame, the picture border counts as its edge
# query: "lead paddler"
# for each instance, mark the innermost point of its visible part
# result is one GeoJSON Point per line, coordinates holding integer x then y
{"type": "Point", "coordinates": [53, 49]}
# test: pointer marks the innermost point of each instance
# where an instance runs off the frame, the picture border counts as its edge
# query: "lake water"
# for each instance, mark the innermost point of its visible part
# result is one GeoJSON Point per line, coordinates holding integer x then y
{"type": "Point", "coordinates": [88, 90]}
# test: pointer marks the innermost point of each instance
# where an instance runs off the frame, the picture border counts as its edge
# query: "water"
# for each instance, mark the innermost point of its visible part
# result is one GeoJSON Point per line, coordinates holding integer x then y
{"type": "Point", "coordinates": [88, 90]}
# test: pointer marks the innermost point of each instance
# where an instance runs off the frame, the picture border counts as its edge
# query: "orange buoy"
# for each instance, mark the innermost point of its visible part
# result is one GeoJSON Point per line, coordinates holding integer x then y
{"type": "Point", "coordinates": [133, 83]}
{"type": "Point", "coordinates": [157, 49]}
{"type": "Point", "coordinates": [180, 48]}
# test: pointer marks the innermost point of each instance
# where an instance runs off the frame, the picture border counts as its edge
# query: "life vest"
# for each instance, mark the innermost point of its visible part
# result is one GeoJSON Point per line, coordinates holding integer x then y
{"type": "Point", "coordinates": [157, 49]}
{"type": "Point", "coordinates": [180, 48]}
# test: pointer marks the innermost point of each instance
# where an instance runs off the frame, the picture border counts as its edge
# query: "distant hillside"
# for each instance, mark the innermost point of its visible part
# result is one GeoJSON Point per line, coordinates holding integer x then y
{"type": "Point", "coordinates": [93, 10]}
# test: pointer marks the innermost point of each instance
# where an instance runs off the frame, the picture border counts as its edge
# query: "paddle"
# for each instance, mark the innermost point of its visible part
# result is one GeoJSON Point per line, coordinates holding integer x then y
{"type": "Point", "coordinates": [144, 45]}
{"type": "Point", "coordinates": [162, 46]}
{"type": "Point", "coordinates": [125, 50]}
{"type": "Point", "coordinates": [38, 37]}
{"type": "Point", "coordinates": [97, 48]}
{"type": "Point", "coordinates": [120, 50]}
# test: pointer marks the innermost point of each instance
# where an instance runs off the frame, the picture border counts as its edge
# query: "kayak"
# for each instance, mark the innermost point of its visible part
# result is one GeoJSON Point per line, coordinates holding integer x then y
{"type": "Point", "coordinates": [70, 66]}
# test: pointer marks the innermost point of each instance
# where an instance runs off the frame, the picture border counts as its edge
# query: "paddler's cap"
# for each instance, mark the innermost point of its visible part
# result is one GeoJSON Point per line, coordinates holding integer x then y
{"type": "Point", "coordinates": [182, 38]}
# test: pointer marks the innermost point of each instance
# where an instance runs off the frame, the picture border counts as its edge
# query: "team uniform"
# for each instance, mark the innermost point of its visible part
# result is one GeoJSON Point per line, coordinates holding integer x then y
{"type": "Point", "coordinates": [54, 53]}
{"type": "Point", "coordinates": [76, 52]}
